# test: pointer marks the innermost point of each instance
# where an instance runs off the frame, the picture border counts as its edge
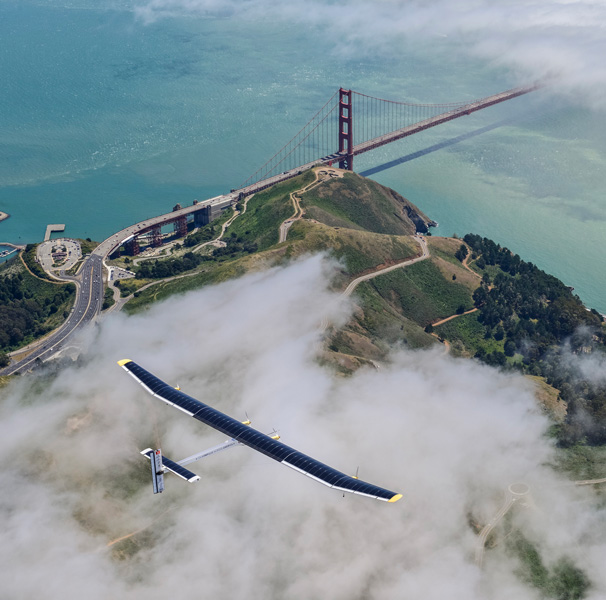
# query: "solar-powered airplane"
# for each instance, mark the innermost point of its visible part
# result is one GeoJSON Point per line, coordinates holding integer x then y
{"type": "Point", "coordinates": [239, 433]}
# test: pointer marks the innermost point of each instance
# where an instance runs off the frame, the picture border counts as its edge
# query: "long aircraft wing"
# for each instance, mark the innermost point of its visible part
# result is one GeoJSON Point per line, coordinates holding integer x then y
{"type": "Point", "coordinates": [255, 439]}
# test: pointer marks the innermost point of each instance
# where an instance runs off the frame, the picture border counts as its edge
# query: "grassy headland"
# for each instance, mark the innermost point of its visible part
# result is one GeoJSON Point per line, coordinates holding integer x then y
{"type": "Point", "coordinates": [523, 318]}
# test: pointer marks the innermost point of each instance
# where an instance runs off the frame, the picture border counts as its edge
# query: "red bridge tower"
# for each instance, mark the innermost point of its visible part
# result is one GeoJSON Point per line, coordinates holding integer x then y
{"type": "Point", "coordinates": [345, 129]}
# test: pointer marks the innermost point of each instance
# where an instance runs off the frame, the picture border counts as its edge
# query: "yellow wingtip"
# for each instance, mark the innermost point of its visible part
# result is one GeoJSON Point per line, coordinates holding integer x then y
{"type": "Point", "coordinates": [395, 498]}
{"type": "Point", "coordinates": [124, 361]}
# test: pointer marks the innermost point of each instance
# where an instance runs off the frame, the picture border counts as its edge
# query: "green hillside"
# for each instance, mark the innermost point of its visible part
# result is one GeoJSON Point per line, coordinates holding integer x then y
{"type": "Point", "coordinates": [520, 314]}
{"type": "Point", "coordinates": [497, 308]}
{"type": "Point", "coordinates": [252, 239]}
{"type": "Point", "coordinates": [357, 250]}
{"type": "Point", "coordinates": [351, 201]}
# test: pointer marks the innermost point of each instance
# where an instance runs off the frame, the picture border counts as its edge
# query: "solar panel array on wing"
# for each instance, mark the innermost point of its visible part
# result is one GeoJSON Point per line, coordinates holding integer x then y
{"type": "Point", "coordinates": [257, 440]}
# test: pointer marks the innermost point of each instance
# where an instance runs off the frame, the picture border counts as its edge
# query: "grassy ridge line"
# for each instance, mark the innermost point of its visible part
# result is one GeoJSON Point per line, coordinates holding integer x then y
{"type": "Point", "coordinates": [358, 250]}
{"type": "Point", "coordinates": [354, 202]}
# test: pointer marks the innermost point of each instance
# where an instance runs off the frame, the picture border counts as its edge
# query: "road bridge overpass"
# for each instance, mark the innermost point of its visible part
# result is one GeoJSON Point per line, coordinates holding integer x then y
{"type": "Point", "coordinates": [202, 212]}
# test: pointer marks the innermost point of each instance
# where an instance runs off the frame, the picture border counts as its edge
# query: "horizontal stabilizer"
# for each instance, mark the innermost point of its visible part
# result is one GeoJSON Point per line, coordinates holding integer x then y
{"type": "Point", "coordinates": [177, 469]}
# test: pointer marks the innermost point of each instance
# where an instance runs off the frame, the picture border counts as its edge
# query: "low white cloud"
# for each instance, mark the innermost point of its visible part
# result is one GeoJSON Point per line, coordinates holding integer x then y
{"type": "Point", "coordinates": [562, 40]}
{"type": "Point", "coordinates": [451, 435]}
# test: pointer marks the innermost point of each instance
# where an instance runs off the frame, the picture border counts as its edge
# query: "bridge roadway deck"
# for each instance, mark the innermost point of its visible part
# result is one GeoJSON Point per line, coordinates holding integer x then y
{"type": "Point", "coordinates": [105, 248]}
{"type": "Point", "coordinates": [466, 109]}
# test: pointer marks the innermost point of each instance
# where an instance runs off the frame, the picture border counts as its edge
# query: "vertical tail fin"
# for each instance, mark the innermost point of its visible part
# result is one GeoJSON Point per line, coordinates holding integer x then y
{"type": "Point", "coordinates": [157, 471]}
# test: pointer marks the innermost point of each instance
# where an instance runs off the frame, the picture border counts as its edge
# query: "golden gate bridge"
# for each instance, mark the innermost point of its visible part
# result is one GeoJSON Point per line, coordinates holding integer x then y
{"type": "Point", "coordinates": [351, 123]}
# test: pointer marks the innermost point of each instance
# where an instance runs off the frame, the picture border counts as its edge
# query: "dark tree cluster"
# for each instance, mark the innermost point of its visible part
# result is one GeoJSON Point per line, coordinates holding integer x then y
{"type": "Point", "coordinates": [160, 269]}
{"type": "Point", "coordinates": [529, 307]}
{"type": "Point", "coordinates": [22, 314]}
{"type": "Point", "coordinates": [538, 316]}
{"type": "Point", "coordinates": [461, 253]}
{"type": "Point", "coordinates": [202, 235]}
{"type": "Point", "coordinates": [494, 254]}
{"type": "Point", "coordinates": [585, 399]}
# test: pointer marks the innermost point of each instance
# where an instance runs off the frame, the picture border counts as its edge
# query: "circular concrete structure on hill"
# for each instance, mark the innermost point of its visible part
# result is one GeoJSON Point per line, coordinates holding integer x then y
{"type": "Point", "coordinates": [519, 489]}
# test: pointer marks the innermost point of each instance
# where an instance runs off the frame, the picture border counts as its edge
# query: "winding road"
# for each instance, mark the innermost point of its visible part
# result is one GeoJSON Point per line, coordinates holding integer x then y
{"type": "Point", "coordinates": [89, 298]}
{"type": "Point", "coordinates": [90, 288]}
{"type": "Point", "coordinates": [405, 263]}
{"type": "Point", "coordinates": [321, 176]}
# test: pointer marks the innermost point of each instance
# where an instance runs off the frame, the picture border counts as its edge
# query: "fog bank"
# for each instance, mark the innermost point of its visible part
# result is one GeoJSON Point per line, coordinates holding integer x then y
{"type": "Point", "coordinates": [450, 435]}
{"type": "Point", "coordinates": [562, 40]}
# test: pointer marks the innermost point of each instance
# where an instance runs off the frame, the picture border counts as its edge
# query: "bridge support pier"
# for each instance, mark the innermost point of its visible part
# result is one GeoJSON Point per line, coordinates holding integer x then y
{"type": "Point", "coordinates": [202, 217]}
{"type": "Point", "coordinates": [181, 227]}
{"type": "Point", "coordinates": [156, 237]}
{"type": "Point", "coordinates": [346, 129]}
{"type": "Point", "coordinates": [132, 247]}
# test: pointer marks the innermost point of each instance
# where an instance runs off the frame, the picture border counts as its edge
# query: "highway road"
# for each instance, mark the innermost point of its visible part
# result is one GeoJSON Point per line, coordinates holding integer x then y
{"type": "Point", "coordinates": [89, 299]}
{"type": "Point", "coordinates": [90, 288]}
{"type": "Point", "coordinates": [89, 282]}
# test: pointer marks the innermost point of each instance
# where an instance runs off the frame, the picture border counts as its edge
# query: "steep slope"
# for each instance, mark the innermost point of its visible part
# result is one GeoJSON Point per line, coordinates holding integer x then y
{"type": "Point", "coordinates": [252, 239]}
{"type": "Point", "coordinates": [354, 202]}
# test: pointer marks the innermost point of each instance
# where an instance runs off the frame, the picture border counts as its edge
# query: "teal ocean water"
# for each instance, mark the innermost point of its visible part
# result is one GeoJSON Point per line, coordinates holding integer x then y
{"type": "Point", "coordinates": [107, 120]}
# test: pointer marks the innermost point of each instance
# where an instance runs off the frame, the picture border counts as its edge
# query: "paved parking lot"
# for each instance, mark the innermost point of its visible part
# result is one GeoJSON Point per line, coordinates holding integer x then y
{"type": "Point", "coordinates": [116, 273]}
{"type": "Point", "coordinates": [58, 255]}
